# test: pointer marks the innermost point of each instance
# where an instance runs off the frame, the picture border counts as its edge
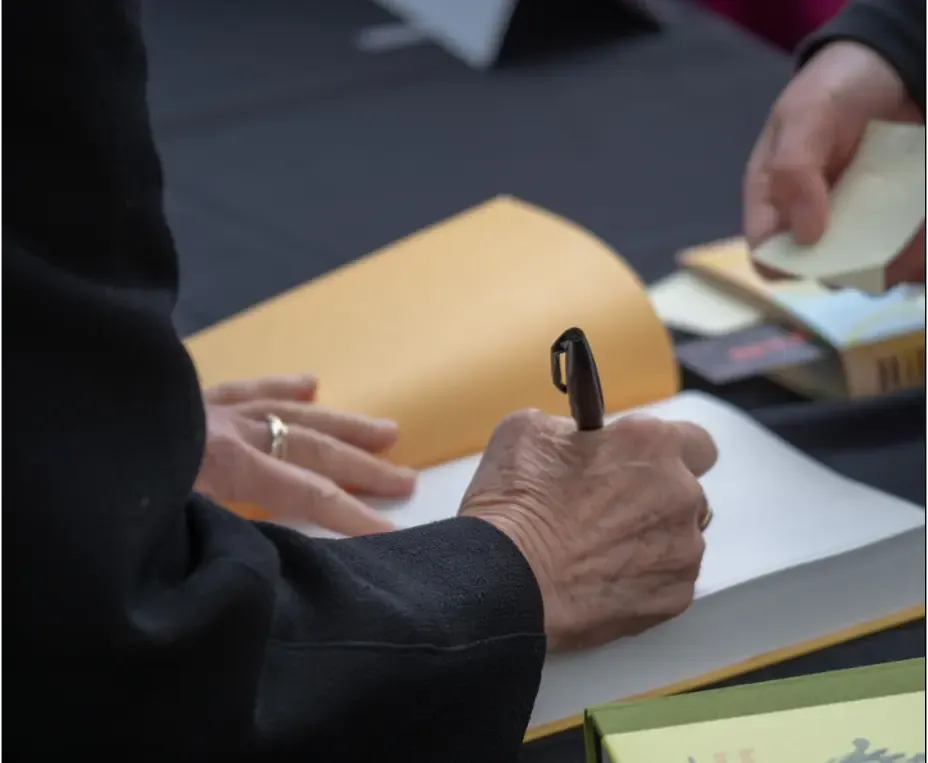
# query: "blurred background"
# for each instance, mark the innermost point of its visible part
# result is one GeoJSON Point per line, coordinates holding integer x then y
{"type": "Point", "coordinates": [298, 135]}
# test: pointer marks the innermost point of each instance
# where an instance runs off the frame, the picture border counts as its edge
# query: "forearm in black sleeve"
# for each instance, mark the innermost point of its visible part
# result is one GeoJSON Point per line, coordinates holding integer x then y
{"type": "Point", "coordinates": [144, 623]}
{"type": "Point", "coordinates": [893, 28]}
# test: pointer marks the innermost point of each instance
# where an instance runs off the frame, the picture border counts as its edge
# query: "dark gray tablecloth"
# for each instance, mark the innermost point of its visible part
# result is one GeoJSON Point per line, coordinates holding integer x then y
{"type": "Point", "coordinates": [289, 152]}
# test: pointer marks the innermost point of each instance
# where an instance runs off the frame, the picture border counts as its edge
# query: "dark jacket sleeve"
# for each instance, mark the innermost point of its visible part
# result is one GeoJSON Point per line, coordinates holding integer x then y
{"type": "Point", "coordinates": [144, 623]}
{"type": "Point", "coordinates": [893, 28]}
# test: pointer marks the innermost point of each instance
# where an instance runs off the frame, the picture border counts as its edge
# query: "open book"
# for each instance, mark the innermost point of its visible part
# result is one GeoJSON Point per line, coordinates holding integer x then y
{"type": "Point", "coordinates": [796, 555]}
{"type": "Point", "coordinates": [448, 331]}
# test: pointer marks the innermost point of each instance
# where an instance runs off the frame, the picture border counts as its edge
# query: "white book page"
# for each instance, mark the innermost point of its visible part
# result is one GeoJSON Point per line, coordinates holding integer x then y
{"type": "Point", "coordinates": [774, 508]}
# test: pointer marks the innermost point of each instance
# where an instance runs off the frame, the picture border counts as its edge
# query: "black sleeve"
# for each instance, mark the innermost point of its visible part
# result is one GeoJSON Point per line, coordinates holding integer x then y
{"type": "Point", "coordinates": [142, 620]}
{"type": "Point", "coordinates": [893, 28]}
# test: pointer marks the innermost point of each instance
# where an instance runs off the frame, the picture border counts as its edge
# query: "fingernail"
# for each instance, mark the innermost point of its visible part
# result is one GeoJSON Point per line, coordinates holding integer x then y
{"type": "Point", "coordinates": [311, 386]}
{"type": "Point", "coordinates": [407, 474]}
{"type": "Point", "coordinates": [406, 479]}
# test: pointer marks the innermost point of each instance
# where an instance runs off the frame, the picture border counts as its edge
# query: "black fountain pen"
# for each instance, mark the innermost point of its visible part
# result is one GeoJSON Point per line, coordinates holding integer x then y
{"type": "Point", "coordinates": [582, 386]}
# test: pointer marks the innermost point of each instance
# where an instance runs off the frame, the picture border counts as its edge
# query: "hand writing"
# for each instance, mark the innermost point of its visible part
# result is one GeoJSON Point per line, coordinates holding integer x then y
{"type": "Point", "coordinates": [607, 520]}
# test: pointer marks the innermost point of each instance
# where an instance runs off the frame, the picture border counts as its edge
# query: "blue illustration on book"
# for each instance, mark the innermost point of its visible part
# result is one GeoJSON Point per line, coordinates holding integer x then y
{"type": "Point", "coordinates": [863, 753]}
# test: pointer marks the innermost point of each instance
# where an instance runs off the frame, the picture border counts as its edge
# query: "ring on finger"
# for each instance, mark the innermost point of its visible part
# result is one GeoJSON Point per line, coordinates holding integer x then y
{"type": "Point", "coordinates": [279, 432]}
{"type": "Point", "coordinates": [706, 519]}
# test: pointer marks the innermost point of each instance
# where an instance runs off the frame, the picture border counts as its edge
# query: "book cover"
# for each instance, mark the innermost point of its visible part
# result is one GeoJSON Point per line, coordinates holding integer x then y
{"type": "Point", "coordinates": [863, 715]}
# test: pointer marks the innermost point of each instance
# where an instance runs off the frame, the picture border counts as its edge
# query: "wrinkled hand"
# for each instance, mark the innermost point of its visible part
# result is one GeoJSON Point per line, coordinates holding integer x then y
{"type": "Point", "coordinates": [810, 138]}
{"type": "Point", "coordinates": [607, 520]}
{"type": "Point", "coordinates": [327, 453]}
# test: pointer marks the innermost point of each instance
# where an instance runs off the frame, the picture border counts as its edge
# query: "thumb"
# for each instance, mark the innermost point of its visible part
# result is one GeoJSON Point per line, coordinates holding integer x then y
{"type": "Point", "coordinates": [798, 163]}
{"type": "Point", "coordinates": [761, 219]}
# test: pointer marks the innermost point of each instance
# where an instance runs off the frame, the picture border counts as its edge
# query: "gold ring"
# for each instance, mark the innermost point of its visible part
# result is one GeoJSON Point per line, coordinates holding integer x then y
{"type": "Point", "coordinates": [706, 519]}
{"type": "Point", "coordinates": [279, 432]}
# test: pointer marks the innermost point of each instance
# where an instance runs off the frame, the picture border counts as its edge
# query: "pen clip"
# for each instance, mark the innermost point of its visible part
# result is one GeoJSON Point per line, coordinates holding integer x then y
{"type": "Point", "coordinates": [569, 343]}
{"type": "Point", "coordinates": [560, 347]}
{"type": "Point", "coordinates": [582, 384]}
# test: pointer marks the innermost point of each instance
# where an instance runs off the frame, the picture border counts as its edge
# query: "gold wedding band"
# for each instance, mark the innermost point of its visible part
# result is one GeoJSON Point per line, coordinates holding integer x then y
{"type": "Point", "coordinates": [706, 519]}
{"type": "Point", "coordinates": [279, 432]}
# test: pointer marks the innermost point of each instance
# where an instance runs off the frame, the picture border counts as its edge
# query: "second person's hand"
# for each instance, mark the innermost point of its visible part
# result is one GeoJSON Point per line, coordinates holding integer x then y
{"type": "Point", "coordinates": [327, 454]}
{"type": "Point", "coordinates": [809, 139]}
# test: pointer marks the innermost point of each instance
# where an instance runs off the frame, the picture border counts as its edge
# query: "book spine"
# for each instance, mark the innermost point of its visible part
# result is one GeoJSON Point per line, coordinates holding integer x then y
{"type": "Point", "coordinates": [886, 367]}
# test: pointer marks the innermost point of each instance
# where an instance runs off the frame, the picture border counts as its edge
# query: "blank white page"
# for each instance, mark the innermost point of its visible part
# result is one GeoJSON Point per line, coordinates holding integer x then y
{"type": "Point", "coordinates": [774, 507]}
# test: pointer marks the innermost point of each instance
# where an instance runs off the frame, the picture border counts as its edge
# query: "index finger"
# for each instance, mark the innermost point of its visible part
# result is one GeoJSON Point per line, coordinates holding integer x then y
{"type": "Point", "coordinates": [697, 448]}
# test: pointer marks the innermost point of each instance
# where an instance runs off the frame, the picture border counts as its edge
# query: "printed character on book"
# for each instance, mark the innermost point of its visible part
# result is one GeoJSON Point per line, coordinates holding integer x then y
{"type": "Point", "coordinates": [864, 752]}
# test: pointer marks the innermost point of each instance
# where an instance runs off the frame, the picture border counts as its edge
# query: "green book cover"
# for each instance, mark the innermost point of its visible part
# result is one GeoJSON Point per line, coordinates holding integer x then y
{"type": "Point", "coordinates": [864, 715]}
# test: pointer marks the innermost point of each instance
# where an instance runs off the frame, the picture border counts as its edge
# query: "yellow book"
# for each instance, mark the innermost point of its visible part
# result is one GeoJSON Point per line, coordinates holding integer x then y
{"type": "Point", "coordinates": [441, 331]}
{"type": "Point", "coordinates": [864, 715]}
{"type": "Point", "coordinates": [449, 330]}
{"type": "Point", "coordinates": [829, 733]}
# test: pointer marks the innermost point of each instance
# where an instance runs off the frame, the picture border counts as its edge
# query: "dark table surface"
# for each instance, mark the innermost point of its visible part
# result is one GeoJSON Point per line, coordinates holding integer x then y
{"type": "Point", "coordinates": [289, 152]}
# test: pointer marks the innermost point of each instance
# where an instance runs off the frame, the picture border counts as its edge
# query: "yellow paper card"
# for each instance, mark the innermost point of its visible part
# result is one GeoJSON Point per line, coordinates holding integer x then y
{"type": "Point", "coordinates": [879, 730]}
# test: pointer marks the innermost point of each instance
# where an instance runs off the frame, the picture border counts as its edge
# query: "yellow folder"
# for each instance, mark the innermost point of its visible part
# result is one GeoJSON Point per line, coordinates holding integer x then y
{"type": "Point", "coordinates": [446, 331]}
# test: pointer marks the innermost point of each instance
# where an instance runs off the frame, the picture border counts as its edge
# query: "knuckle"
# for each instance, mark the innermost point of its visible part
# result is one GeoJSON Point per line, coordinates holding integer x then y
{"type": "Point", "coordinates": [790, 166]}
{"type": "Point", "coordinates": [686, 494]}
{"type": "Point", "coordinates": [227, 445]}
{"type": "Point", "coordinates": [784, 168]}
{"type": "Point", "coordinates": [316, 447]}
{"type": "Point", "coordinates": [521, 421]}
{"type": "Point", "coordinates": [322, 492]}
{"type": "Point", "coordinates": [252, 407]}
{"type": "Point", "coordinates": [643, 432]}
{"type": "Point", "coordinates": [227, 467]}
{"type": "Point", "coordinates": [329, 492]}
{"type": "Point", "coordinates": [637, 422]}
{"type": "Point", "coordinates": [525, 417]}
